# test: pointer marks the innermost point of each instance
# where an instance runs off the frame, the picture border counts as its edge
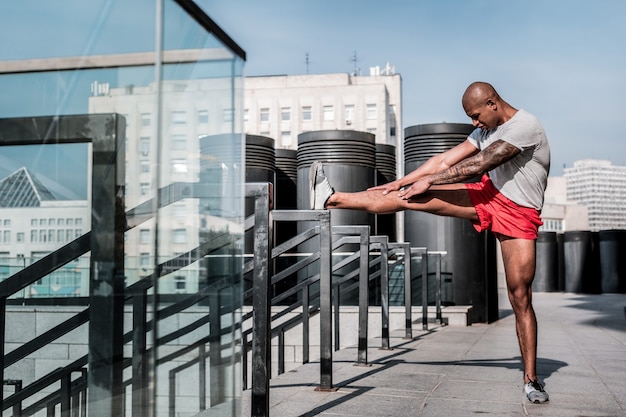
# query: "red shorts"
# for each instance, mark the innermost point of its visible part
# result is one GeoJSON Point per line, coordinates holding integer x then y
{"type": "Point", "coordinates": [501, 215]}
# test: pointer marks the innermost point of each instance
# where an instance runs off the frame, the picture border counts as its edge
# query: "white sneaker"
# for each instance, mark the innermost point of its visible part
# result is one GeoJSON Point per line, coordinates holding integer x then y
{"type": "Point", "coordinates": [535, 392]}
{"type": "Point", "coordinates": [319, 187]}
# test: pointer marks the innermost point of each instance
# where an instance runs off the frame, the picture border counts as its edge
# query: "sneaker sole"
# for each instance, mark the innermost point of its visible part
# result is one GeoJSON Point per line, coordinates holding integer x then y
{"type": "Point", "coordinates": [312, 175]}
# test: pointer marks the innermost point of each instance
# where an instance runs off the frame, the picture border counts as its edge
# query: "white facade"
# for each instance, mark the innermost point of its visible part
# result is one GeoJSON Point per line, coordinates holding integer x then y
{"type": "Point", "coordinates": [30, 233]}
{"type": "Point", "coordinates": [560, 214]}
{"type": "Point", "coordinates": [602, 188]}
{"type": "Point", "coordinates": [283, 106]}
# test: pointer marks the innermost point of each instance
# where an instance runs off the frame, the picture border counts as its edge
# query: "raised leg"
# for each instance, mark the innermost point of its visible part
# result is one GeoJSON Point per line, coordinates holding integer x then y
{"type": "Point", "coordinates": [444, 200]}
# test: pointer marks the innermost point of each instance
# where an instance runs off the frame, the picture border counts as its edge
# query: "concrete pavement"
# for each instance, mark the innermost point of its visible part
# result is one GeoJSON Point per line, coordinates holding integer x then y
{"type": "Point", "coordinates": [476, 370]}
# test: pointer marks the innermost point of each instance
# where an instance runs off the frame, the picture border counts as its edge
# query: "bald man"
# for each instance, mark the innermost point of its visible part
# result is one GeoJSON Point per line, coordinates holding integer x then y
{"type": "Point", "coordinates": [510, 150]}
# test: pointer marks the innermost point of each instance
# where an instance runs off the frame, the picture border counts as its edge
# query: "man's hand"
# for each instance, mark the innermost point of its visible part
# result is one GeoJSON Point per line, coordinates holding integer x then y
{"type": "Point", "coordinates": [417, 188]}
{"type": "Point", "coordinates": [386, 188]}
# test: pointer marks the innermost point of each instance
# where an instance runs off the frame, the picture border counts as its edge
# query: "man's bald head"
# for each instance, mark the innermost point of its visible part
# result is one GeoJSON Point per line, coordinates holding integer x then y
{"type": "Point", "coordinates": [479, 93]}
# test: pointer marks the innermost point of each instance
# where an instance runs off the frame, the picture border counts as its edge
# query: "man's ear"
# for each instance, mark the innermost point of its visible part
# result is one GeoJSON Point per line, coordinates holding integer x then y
{"type": "Point", "coordinates": [492, 104]}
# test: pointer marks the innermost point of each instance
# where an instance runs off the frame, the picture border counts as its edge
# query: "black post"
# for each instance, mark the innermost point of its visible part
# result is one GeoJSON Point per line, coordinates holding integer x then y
{"type": "Point", "coordinates": [261, 301]}
{"type": "Point", "coordinates": [106, 292]}
{"type": "Point", "coordinates": [326, 334]}
{"type": "Point", "coordinates": [425, 291]}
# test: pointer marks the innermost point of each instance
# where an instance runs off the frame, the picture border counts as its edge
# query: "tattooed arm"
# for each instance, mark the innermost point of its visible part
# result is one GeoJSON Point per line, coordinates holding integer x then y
{"type": "Point", "coordinates": [492, 156]}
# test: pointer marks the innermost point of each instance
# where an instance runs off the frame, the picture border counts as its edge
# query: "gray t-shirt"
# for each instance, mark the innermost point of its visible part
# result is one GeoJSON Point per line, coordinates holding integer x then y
{"type": "Point", "coordinates": [522, 179]}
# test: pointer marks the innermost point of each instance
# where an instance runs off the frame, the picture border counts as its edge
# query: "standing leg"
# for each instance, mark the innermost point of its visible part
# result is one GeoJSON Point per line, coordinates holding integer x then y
{"type": "Point", "coordinates": [519, 266]}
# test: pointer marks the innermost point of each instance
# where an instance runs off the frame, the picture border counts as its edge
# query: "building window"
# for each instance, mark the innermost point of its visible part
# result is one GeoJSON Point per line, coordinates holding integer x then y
{"type": "Point", "coordinates": [228, 115]}
{"type": "Point", "coordinates": [69, 222]}
{"type": "Point", "coordinates": [179, 117]}
{"type": "Point", "coordinates": [349, 109]}
{"type": "Point", "coordinates": [179, 142]}
{"type": "Point", "coordinates": [33, 236]}
{"type": "Point", "coordinates": [7, 222]}
{"type": "Point", "coordinates": [144, 146]}
{"type": "Point", "coordinates": [264, 115]}
{"type": "Point", "coordinates": [307, 115]}
{"type": "Point", "coordinates": [285, 114]}
{"type": "Point", "coordinates": [179, 236]}
{"type": "Point", "coordinates": [42, 222]}
{"type": "Point", "coordinates": [144, 188]}
{"type": "Point", "coordinates": [145, 166]}
{"type": "Point", "coordinates": [144, 260]}
{"type": "Point", "coordinates": [180, 282]}
{"type": "Point", "coordinates": [60, 236]}
{"type": "Point", "coordinates": [329, 113]}
{"type": "Point", "coordinates": [246, 116]}
{"type": "Point", "coordinates": [179, 166]}
{"type": "Point", "coordinates": [33, 222]}
{"type": "Point", "coordinates": [371, 112]}
{"type": "Point", "coordinates": [203, 116]}
{"type": "Point", "coordinates": [144, 236]}
{"type": "Point", "coordinates": [6, 236]}
{"type": "Point", "coordinates": [146, 119]}
{"type": "Point", "coordinates": [392, 131]}
{"type": "Point", "coordinates": [285, 138]}
{"type": "Point", "coordinates": [19, 237]}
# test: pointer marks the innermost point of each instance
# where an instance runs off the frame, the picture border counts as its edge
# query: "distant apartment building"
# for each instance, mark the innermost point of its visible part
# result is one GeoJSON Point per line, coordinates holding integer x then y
{"type": "Point", "coordinates": [283, 106]}
{"type": "Point", "coordinates": [35, 222]}
{"type": "Point", "coordinates": [560, 214]}
{"type": "Point", "coordinates": [601, 187]}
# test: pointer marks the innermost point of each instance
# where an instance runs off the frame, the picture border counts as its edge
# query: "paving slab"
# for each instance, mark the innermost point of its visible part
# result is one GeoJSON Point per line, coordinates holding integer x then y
{"type": "Point", "coordinates": [475, 370]}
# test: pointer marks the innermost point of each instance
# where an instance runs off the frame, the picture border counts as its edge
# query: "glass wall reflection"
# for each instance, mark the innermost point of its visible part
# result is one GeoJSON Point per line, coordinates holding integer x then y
{"type": "Point", "coordinates": [175, 88]}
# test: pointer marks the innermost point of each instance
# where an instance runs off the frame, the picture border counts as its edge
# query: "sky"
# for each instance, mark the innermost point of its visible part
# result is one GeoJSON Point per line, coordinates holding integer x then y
{"type": "Point", "coordinates": [562, 60]}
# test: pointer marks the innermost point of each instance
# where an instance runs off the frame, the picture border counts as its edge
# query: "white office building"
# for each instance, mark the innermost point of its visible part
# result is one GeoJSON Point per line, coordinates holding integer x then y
{"type": "Point", "coordinates": [35, 222]}
{"type": "Point", "coordinates": [283, 106]}
{"type": "Point", "coordinates": [601, 187]}
{"type": "Point", "coordinates": [560, 214]}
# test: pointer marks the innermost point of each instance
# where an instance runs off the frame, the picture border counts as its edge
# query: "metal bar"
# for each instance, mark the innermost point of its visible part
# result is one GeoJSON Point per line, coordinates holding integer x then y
{"type": "Point", "coordinates": [336, 315]}
{"type": "Point", "coordinates": [305, 324]}
{"type": "Point", "coordinates": [425, 291]}
{"type": "Point", "coordinates": [281, 352]}
{"type": "Point", "coordinates": [215, 369]}
{"type": "Point", "coordinates": [364, 245]}
{"type": "Point", "coordinates": [202, 375]}
{"type": "Point", "coordinates": [408, 291]}
{"type": "Point", "coordinates": [326, 351]}
{"type": "Point", "coordinates": [261, 354]}
{"type": "Point", "coordinates": [106, 280]}
{"type": "Point", "coordinates": [384, 288]}
{"type": "Point", "coordinates": [438, 288]}
{"type": "Point", "coordinates": [65, 394]}
{"type": "Point", "coordinates": [3, 312]}
{"type": "Point", "coordinates": [140, 357]}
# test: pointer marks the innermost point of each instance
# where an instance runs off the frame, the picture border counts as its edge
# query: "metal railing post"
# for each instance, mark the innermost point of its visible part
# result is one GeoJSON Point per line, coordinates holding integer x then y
{"type": "Point", "coordinates": [326, 351]}
{"type": "Point", "coordinates": [261, 341]}
{"type": "Point", "coordinates": [438, 288]}
{"type": "Point", "coordinates": [408, 304]}
{"type": "Point", "coordinates": [425, 291]}
{"type": "Point", "coordinates": [140, 358]}
{"type": "Point", "coordinates": [383, 241]}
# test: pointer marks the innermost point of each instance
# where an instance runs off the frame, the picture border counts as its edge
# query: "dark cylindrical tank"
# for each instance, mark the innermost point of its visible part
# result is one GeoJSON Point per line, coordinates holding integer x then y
{"type": "Point", "coordinates": [560, 238]}
{"type": "Point", "coordinates": [260, 167]}
{"type": "Point", "coordinates": [581, 263]}
{"type": "Point", "coordinates": [286, 191]}
{"type": "Point", "coordinates": [547, 263]}
{"type": "Point", "coordinates": [470, 259]}
{"type": "Point", "coordinates": [386, 172]}
{"type": "Point", "coordinates": [612, 260]}
{"type": "Point", "coordinates": [349, 163]}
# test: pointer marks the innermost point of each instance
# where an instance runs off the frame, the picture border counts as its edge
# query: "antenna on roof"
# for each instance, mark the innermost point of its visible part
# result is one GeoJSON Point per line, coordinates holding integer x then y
{"type": "Point", "coordinates": [354, 60]}
{"type": "Point", "coordinates": [306, 61]}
